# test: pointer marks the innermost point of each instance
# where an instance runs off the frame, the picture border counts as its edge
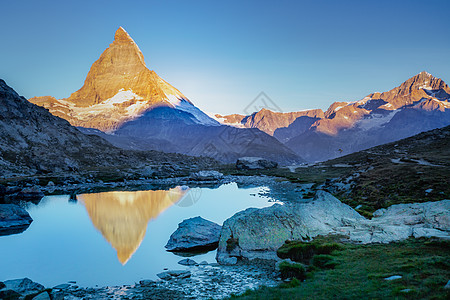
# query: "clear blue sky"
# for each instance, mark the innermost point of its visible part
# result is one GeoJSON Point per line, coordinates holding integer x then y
{"type": "Point", "coordinates": [221, 54]}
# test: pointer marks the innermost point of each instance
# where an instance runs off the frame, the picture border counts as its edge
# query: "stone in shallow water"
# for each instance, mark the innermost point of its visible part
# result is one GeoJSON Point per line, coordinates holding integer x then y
{"type": "Point", "coordinates": [188, 262]}
{"type": "Point", "coordinates": [179, 274]}
{"type": "Point", "coordinates": [194, 234]}
{"type": "Point", "coordinates": [146, 282]}
{"type": "Point", "coordinates": [62, 286]}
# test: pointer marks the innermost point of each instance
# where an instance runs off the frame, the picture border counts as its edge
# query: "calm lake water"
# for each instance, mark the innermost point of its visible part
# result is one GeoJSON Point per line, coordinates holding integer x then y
{"type": "Point", "coordinates": [113, 238]}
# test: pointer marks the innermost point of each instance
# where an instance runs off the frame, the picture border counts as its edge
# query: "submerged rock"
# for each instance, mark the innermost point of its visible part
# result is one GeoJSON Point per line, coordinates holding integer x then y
{"type": "Point", "coordinates": [187, 262]}
{"type": "Point", "coordinates": [255, 163]}
{"type": "Point", "coordinates": [194, 234]}
{"type": "Point", "coordinates": [13, 219]}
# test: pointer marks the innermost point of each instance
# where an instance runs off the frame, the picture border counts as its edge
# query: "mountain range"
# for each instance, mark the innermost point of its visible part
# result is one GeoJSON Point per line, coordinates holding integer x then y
{"type": "Point", "coordinates": [130, 106]}
{"type": "Point", "coordinates": [133, 108]}
{"type": "Point", "coordinates": [419, 104]}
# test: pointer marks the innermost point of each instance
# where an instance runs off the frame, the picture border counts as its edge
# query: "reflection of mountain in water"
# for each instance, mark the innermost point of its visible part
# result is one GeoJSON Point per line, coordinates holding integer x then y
{"type": "Point", "coordinates": [122, 217]}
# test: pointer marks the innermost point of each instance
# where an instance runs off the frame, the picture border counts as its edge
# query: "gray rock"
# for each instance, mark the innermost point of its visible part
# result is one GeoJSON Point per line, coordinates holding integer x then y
{"type": "Point", "coordinates": [24, 286]}
{"type": "Point", "coordinates": [258, 233]}
{"type": "Point", "coordinates": [206, 175]}
{"type": "Point", "coordinates": [62, 286]}
{"type": "Point", "coordinates": [13, 219]}
{"type": "Point", "coordinates": [401, 221]}
{"type": "Point", "coordinates": [178, 274]}
{"type": "Point", "coordinates": [194, 234]}
{"type": "Point", "coordinates": [228, 261]}
{"type": "Point", "coordinates": [188, 262]}
{"type": "Point", "coordinates": [42, 296]}
{"type": "Point", "coordinates": [9, 294]}
{"type": "Point", "coordinates": [394, 277]}
{"type": "Point", "coordinates": [255, 163]}
{"type": "Point", "coordinates": [33, 194]}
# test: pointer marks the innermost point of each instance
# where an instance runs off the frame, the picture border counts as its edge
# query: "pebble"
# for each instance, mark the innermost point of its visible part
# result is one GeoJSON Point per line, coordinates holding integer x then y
{"type": "Point", "coordinates": [395, 277]}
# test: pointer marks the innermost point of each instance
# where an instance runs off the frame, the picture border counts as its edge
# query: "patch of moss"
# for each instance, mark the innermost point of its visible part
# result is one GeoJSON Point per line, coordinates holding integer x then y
{"type": "Point", "coordinates": [323, 261]}
{"type": "Point", "coordinates": [292, 270]}
{"type": "Point", "coordinates": [232, 243]}
{"type": "Point", "coordinates": [304, 251]}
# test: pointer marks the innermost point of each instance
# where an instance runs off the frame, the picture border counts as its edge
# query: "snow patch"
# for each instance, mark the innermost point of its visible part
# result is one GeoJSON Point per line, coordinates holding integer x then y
{"type": "Point", "coordinates": [375, 120]}
{"type": "Point", "coordinates": [122, 96]}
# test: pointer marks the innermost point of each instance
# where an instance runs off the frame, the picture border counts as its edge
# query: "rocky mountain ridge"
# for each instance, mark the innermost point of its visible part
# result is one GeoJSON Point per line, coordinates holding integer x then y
{"type": "Point", "coordinates": [419, 104]}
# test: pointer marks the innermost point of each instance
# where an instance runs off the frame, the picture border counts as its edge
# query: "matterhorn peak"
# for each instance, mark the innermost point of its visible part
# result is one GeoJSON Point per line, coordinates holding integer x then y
{"type": "Point", "coordinates": [122, 35]}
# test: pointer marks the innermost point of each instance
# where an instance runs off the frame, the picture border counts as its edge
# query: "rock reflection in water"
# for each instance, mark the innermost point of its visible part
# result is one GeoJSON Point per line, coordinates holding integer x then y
{"type": "Point", "coordinates": [122, 217]}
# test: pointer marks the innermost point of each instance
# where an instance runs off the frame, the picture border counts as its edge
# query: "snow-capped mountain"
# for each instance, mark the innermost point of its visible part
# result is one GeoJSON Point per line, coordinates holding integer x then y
{"type": "Point", "coordinates": [119, 88]}
{"type": "Point", "coordinates": [419, 104]}
{"type": "Point", "coordinates": [133, 108]}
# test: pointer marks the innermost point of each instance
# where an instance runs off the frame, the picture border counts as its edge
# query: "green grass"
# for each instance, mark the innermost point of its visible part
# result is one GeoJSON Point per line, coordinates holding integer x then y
{"type": "Point", "coordinates": [360, 270]}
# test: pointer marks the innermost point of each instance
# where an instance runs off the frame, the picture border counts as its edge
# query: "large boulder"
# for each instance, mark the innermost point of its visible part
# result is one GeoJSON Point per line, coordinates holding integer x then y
{"type": "Point", "coordinates": [25, 287]}
{"type": "Point", "coordinates": [13, 219]}
{"type": "Point", "coordinates": [255, 163]}
{"type": "Point", "coordinates": [258, 233]}
{"type": "Point", "coordinates": [194, 234]}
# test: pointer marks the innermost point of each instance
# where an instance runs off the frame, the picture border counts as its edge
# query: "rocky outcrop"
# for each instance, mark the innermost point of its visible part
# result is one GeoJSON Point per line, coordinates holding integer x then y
{"type": "Point", "coordinates": [401, 221]}
{"type": "Point", "coordinates": [13, 219]}
{"type": "Point", "coordinates": [258, 233]}
{"type": "Point", "coordinates": [255, 163]}
{"type": "Point", "coordinates": [194, 234]}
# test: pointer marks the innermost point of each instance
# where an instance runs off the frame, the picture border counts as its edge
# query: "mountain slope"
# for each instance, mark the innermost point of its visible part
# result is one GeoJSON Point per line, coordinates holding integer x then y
{"type": "Point", "coordinates": [33, 141]}
{"type": "Point", "coordinates": [139, 110]}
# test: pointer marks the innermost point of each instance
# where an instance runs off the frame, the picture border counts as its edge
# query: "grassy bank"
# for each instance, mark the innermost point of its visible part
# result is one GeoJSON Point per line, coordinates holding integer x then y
{"type": "Point", "coordinates": [360, 270]}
